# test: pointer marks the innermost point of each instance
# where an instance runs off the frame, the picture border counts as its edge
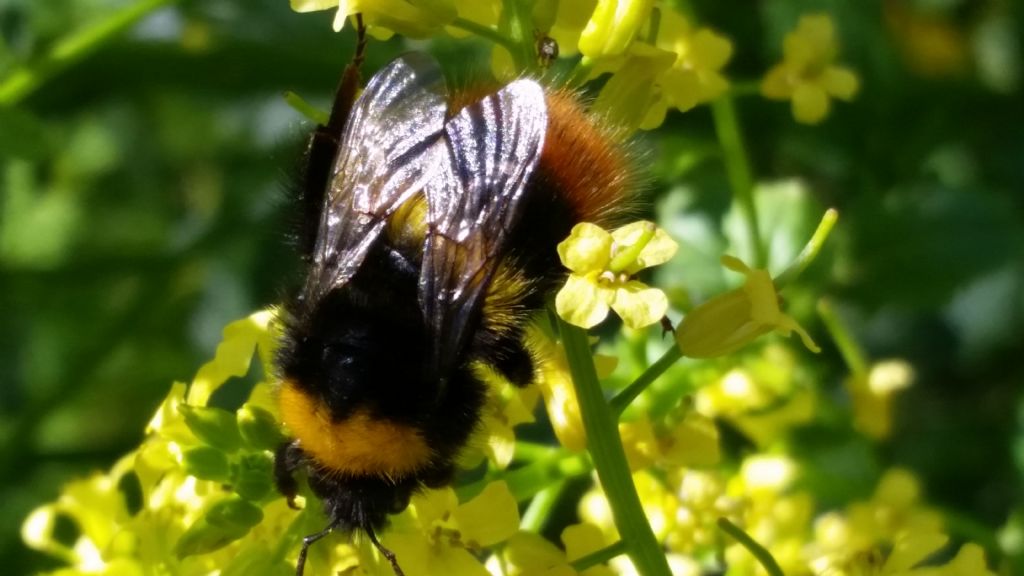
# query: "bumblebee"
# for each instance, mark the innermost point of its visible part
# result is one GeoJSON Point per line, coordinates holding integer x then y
{"type": "Point", "coordinates": [431, 221]}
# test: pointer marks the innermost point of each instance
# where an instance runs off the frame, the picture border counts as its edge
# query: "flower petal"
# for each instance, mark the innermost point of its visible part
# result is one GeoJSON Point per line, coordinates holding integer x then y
{"type": "Point", "coordinates": [580, 302]}
{"type": "Point", "coordinates": [911, 550]}
{"type": "Point", "coordinates": [810, 103]}
{"type": "Point", "coordinates": [490, 518]}
{"type": "Point", "coordinates": [840, 82]}
{"type": "Point", "coordinates": [639, 305]}
{"type": "Point", "coordinates": [587, 249]}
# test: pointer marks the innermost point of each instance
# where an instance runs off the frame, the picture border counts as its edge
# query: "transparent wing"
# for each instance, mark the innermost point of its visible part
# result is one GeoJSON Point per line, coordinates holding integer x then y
{"type": "Point", "coordinates": [389, 148]}
{"type": "Point", "coordinates": [489, 151]}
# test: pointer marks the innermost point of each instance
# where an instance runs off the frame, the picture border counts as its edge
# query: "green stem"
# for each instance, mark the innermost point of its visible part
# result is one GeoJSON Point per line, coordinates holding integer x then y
{"type": "Point", "coordinates": [763, 556]}
{"type": "Point", "coordinates": [581, 72]}
{"type": "Point", "coordinates": [605, 447]}
{"type": "Point", "coordinates": [623, 399]}
{"type": "Point", "coordinates": [517, 23]}
{"type": "Point", "coordinates": [600, 556]}
{"type": "Point", "coordinates": [23, 81]}
{"type": "Point", "coordinates": [530, 451]}
{"type": "Point", "coordinates": [810, 251]}
{"type": "Point", "coordinates": [485, 32]}
{"type": "Point", "coordinates": [312, 113]}
{"type": "Point", "coordinates": [737, 167]}
{"type": "Point", "coordinates": [852, 353]}
{"type": "Point", "coordinates": [537, 513]}
{"type": "Point", "coordinates": [740, 88]}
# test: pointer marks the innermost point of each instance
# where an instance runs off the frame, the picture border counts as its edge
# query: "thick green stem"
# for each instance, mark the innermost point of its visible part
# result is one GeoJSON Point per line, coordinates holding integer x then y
{"type": "Point", "coordinates": [623, 399]}
{"type": "Point", "coordinates": [23, 81]}
{"type": "Point", "coordinates": [737, 167]}
{"type": "Point", "coordinates": [763, 556]}
{"type": "Point", "coordinates": [605, 447]}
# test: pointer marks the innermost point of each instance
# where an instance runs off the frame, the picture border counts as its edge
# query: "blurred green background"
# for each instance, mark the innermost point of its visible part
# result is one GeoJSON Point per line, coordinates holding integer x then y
{"type": "Point", "coordinates": [143, 206]}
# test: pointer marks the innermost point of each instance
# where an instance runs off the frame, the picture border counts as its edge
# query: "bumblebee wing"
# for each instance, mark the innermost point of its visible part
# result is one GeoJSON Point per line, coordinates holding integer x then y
{"type": "Point", "coordinates": [489, 151]}
{"type": "Point", "coordinates": [387, 152]}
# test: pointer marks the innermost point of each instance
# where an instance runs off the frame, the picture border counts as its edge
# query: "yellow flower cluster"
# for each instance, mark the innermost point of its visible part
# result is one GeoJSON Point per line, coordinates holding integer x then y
{"type": "Point", "coordinates": [658, 59]}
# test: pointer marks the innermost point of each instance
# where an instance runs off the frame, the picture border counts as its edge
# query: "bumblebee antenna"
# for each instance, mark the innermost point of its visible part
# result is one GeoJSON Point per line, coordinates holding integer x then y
{"type": "Point", "coordinates": [300, 565]}
{"type": "Point", "coordinates": [388, 554]}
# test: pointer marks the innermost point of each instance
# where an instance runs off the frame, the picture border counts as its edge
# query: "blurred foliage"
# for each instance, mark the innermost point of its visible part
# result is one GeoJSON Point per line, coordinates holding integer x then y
{"type": "Point", "coordinates": [144, 205]}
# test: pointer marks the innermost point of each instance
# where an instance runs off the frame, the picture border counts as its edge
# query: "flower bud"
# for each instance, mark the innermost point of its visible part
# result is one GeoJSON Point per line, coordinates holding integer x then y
{"type": "Point", "coordinates": [206, 463]}
{"type": "Point", "coordinates": [613, 25]}
{"type": "Point", "coordinates": [234, 512]}
{"type": "Point", "coordinates": [254, 476]}
{"type": "Point", "coordinates": [214, 426]}
{"type": "Point", "coordinates": [258, 428]}
{"type": "Point", "coordinates": [732, 320]}
{"type": "Point", "coordinates": [203, 536]}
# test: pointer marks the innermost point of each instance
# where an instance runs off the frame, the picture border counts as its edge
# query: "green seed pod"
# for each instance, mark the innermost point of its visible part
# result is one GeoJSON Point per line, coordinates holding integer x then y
{"type": "Point", "coordinates": [234, 512]}
{"type": "Point", "coordinates": [206, 463]}
{"type": "Point", "coordinates": [214, 426]}
{"type": "Point", "coordinates": [203, 536]}
{"type": "Point", "coordinates": [258, 427]}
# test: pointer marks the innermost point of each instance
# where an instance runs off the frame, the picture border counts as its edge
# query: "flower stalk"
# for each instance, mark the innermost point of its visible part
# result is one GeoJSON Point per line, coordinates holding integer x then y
{"type": "Point", "coordinates": [605, 447]}
{"type": "Point", "coordinates": [764, 557]}
{"type": "Point", "coordinates": [737, 167]}
{"type": "Point", "coordinates": [24, 81]}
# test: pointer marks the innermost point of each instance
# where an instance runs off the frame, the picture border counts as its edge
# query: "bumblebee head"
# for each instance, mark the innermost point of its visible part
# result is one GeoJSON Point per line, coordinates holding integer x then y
{"type": "Point", "coordinates": [361, 502]}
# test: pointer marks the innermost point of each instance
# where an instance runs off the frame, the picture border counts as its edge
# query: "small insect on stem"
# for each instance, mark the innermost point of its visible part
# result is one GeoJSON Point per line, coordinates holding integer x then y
{"type": "Point", "coordinates": [666, 326]}
{"type": "Point", "coordinates": [547, 49]}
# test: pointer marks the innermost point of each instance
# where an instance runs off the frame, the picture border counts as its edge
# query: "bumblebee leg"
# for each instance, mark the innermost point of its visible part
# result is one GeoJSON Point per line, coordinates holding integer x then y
{"type": "Point", "coordinates": [287, 459]}
{"type": "Point", "coordinates": [385, 552]}
{"type": "Point", "coordinates": [300, 564]}
{"type": "Point", "coordinates": [323, 145]}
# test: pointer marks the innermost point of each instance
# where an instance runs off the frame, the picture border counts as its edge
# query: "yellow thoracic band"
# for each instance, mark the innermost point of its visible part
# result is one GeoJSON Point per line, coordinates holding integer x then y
{"type": "Point", "coordinates": [359, 445]}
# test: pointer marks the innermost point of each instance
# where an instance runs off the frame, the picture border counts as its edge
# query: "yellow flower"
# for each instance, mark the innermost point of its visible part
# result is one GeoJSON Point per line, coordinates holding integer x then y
{"type": "Point", "coordinates": [695, 77]}
{"type": "Point", "coordinates": [602, 266]}
{"type": "Point", "coordinates": [529, 554]}
{"type": "Point", "coordinates": [732, 320]}
{"type": "Point", "coordinates": [413, 18]}
{"type": "Point", "coordinates": [507, 407]}
{"type": "Point", "coordinates": [633, 94]}
{"type": "Point", "coordinates": [807, 75]}
{"type": "Point", "coordinates": [872, 396]}
{"type": "Point", "coordinates": [969, 561]}
{"type": "Point", "coordinates": [612, 26]}
{"type": "Point", "coordinates": [437, 535]}
{"type": "Point", "coordinates": [680, 70]}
